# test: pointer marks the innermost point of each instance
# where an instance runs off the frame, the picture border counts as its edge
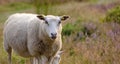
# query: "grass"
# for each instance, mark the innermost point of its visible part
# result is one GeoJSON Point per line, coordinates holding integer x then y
{"type": "Point", "coordinates": [101, 48]}
{"type": "Point", "coordinates": [7, 9]}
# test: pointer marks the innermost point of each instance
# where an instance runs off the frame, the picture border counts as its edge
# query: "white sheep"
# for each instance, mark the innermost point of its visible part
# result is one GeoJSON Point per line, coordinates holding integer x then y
{"type": "Point", "coordinates": [32, 35]}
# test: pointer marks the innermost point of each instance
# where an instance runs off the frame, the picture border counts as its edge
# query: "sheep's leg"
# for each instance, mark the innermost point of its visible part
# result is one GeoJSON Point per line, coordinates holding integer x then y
{"type": "Point", "coordinates": [43, 60]}
{"type": "Point", "coordinates": [56, 59]}
{"type": "Point", "coordinates": [9, 51]}
{"type": "Point", "coordinates": [31, 60]}
{"type": "Point", "coordinates": [35, 60]}
{"type": "Point", "coordinates": [39, 60]}
{"type": "Point", "coordinates": [9, 56]}
{"type": "Point", "coordinates": [50, 61]}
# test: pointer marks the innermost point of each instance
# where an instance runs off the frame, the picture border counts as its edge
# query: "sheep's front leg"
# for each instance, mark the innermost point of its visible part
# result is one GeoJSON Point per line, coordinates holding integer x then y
{"type": "Point", "coordinates": [56, 59]}
{"type": "Point", "coordinates": [40, 60]}
{"type": "Point", "coordinates": [44, 60]}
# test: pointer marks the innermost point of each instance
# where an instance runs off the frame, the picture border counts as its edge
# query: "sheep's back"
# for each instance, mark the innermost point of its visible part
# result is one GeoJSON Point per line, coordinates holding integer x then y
{"type": "Point", "coordinates": [15, 32]}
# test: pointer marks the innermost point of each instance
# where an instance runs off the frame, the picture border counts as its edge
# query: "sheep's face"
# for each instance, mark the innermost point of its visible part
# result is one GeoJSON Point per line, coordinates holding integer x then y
{"type": "Point", "coordinates": [52, 24]}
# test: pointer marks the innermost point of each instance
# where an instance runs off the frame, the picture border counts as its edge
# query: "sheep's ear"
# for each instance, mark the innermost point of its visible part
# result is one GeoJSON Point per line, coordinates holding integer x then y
{"type": "Point", "coordinates": [64, 17]}
{"type": "Point", "coordinates": [42, 17]}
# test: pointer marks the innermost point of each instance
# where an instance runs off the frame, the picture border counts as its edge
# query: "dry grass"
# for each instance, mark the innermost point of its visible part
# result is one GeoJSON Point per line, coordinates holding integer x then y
{"type": "Point", "coordinates": [103, 49]}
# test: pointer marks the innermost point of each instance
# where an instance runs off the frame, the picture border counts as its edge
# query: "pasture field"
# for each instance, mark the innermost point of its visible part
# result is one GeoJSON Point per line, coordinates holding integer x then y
{"type": "Point", "coordinates": [86, 38]}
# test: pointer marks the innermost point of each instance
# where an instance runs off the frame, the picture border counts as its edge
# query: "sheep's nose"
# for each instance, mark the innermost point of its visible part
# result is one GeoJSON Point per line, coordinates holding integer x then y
{"type": "Point", "coordinates": [53, 35]}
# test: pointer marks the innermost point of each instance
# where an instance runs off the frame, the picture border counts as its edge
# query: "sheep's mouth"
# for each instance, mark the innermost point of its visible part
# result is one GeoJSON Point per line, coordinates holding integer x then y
{"type": "Point", "coordinates": [53, 37]}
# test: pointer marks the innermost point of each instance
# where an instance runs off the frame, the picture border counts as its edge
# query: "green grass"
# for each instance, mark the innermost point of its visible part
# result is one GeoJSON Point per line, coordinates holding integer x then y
{"type": "Point", "coordinates": [113, 15]}
{"type": "Point", "coordinates": [6, 10]}
{"type": "Point", "coordinates": [15, 7]}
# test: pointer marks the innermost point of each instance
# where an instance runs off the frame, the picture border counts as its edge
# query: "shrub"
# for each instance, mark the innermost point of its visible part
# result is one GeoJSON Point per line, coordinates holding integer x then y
{"type": "Point", "coordinates": [113, 15]}
{"type": "Point", "coordinates": [68, 29]}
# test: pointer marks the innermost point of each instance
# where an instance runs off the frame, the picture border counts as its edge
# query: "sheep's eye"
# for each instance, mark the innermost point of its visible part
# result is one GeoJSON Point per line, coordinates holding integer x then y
{"type": "Point", "coordinates": [46, 22]}
{"type": "Point", "coordinates": [59, 22]}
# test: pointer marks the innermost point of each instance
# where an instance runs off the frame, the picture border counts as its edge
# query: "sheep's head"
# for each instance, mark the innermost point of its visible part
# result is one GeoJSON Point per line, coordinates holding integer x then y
{"type": "Point", "coordinates": [52, 24]}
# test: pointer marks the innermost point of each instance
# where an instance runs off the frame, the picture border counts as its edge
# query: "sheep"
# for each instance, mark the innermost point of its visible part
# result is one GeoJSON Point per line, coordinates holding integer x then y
{"type": "Point", "coordinates": [33, 36]}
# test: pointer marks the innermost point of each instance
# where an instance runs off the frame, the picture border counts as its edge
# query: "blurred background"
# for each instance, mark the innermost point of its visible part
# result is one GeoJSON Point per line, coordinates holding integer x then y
{"type": "Point", "coordinates": [90, 36]}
